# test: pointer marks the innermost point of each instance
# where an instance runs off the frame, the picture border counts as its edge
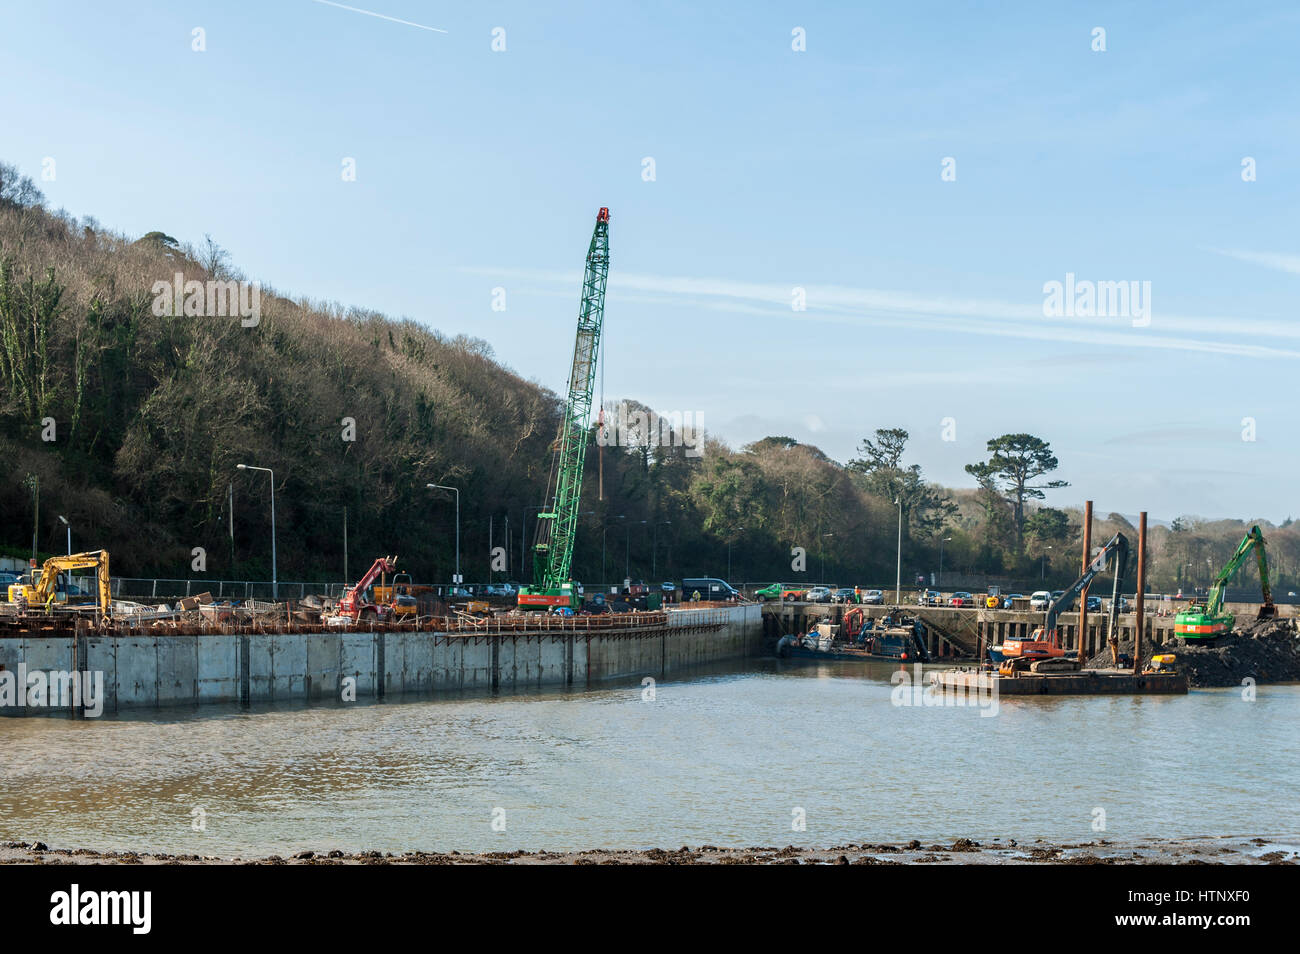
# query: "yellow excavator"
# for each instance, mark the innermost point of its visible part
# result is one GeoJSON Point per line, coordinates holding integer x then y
{"type": "Point", "coordinates": [38, 589]}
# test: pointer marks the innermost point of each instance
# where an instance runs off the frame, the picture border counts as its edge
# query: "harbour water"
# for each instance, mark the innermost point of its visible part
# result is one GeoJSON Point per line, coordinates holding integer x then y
{"type": "Point", "coordinates": [729, 756]}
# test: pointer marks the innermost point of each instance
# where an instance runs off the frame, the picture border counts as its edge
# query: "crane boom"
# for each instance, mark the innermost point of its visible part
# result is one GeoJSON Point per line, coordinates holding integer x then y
{"type": "Point", "coordinates": [557, 524]}
{"type": "Point", "coordinates": [1208, 620]}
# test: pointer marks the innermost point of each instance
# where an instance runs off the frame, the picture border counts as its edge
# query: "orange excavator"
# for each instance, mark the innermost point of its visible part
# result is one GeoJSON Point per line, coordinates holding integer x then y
{"type": "Point", "coordinates": [356, 605]}
{"type": "Point", "coordinates": [1045, 641]}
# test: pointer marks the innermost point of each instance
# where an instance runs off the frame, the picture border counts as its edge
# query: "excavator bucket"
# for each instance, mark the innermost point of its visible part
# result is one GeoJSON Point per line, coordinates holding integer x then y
{"type": "Point", "coordinates": [1267, 611]}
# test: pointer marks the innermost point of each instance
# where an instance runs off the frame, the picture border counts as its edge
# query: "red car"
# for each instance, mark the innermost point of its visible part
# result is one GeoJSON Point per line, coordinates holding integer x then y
{"type": "Point", "coordinates": [961, 599]}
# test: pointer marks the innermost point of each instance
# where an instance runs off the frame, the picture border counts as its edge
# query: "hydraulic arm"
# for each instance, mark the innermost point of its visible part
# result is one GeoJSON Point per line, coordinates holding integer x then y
{"type": "Point", "coordinates": [44, 588]}
{"type": "Point", "coordinates": [1045, 642]}
{"type": "Point", "coordinates": [1207, 620]}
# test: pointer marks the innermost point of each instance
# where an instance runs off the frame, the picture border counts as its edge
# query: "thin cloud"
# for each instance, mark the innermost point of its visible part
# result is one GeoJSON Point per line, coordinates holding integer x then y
{"type": "Point", "coordinates": [865, 307]}
{"type": "Point", "coordinates": [1276, 260]}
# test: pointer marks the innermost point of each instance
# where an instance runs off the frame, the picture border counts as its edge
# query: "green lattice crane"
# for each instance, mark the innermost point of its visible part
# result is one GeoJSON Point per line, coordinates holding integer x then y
{"type": "Point", "coordinates": [557, 524]}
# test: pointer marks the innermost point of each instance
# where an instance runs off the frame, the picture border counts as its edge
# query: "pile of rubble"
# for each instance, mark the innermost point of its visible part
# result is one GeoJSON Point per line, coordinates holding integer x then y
{"type": "Point", "coordinates": [1265, 650]}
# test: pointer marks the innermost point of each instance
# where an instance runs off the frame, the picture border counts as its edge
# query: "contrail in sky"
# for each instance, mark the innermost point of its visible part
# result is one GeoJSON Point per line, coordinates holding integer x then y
{"type": "Point", "coordinates": [371, 13]}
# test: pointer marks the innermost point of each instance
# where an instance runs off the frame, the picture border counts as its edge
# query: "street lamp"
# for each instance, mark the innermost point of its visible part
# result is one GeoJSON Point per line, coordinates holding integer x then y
{"type": "Point", "coordinates": [1043, 570]}
{"type": "Point", "coordinates": [69, 526]}
{"type": "Point", "coordinates": [823, 549]}
{"type": "Point", "coordinates": [654, 552]}
{"type": "Point", "coordinates": [942, 541]}
{"type": "Point", "coordinates": [454, 490]}
{"type": "Point", "coordinates": [275, 582]}
{"type": "Point", "coordinates": [898, 569]}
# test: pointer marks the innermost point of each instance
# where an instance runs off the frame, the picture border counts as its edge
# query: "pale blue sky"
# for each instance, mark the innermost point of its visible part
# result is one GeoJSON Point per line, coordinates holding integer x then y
{"type": "Point", "coordinates": [774, 169]}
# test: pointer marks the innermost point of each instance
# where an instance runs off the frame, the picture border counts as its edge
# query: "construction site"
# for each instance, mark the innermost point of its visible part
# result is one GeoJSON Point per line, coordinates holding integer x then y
{"type": "Point", "coordinates": [385, 636]}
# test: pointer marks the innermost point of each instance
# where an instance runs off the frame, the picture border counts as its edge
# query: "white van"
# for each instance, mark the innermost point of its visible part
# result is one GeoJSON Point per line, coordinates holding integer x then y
{"type": "Point", "coordinates": [1040, 600]}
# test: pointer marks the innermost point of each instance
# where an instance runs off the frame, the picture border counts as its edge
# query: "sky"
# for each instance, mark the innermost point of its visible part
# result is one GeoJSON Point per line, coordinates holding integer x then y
{"type": "Point", "coordinates": [914, 176]}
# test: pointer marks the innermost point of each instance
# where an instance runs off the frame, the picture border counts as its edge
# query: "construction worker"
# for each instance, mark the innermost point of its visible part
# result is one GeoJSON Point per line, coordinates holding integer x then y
{"type": "Point", "coordinates": [695, 597]}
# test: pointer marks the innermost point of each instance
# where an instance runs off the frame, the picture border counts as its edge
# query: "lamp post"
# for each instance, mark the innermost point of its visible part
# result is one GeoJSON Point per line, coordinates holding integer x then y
{"type": "Point", "coordinates": [942, 541]}
{"type": "Point", "coordinates": [275, 583]}
{"type": "Point", "coordinates": [898, 569]}
{"type": "Point", "coordinates": [69, 526]}
{"type": "Point", "coordinates": [456, 580]}
{"type": "Point", "coordinates": [654, 552]}
{"type": "Point", "coordinates": [1043, 571]}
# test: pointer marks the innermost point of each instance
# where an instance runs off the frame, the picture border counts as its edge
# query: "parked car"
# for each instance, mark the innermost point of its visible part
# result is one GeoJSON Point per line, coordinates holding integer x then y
{"type": "Point", "coordinates": [819, 594]}
{"type": "Point", "coordinates": [1008, 602]}
{"type": "Point", "coordinates": [1040, 600]}
{"type": "Point", "coordinates": [845, 594]}
{"type": "Point", "coordinates": [927, 598]}
{"type": "Point", "coordinates": [961, 598]}
{"type": "Point", "coordinates": [668, 588]}
{"type": "Point", "coordinates": [498, 589]}
{"type": "Point", "coordinates": [709, 588]}
{"type": "Point", "coordinates": [873, 598]}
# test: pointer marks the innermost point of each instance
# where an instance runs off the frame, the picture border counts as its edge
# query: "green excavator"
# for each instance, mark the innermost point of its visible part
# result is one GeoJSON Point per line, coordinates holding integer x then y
{"type": "Point", "coordinates": [1205, 620]}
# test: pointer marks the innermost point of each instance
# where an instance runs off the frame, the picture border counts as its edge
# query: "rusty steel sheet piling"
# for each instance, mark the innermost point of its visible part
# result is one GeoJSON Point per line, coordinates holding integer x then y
{"type": "Point", "coordinates": [1081, 641]}
{"type": "Point", "coordinates": [1141, 592]}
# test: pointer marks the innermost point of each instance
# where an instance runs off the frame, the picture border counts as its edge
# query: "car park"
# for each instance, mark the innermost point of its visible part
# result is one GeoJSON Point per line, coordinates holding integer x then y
{"type": "Point", "coordinates": [961, 598]}
{"type": "Point", "coordinates": [873, 598]}
{"type": "Point", "coordinates": [1040, 600]}
{"type": "Point", "coordinates": [928, 598]}
{"type": "Point", "coordinates": [845, 594]}
{"type": "Point", "coordinates": [819, 594]}
{"type": "Point", "coordinates": [1008, 602]}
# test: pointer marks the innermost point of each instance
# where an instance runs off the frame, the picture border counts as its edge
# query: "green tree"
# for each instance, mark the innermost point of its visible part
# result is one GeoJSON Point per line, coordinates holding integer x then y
{"type": "Point", "coordinates": [1049, 526]}
{"type": "Point", "coordinates": [925, 507]}
{"type": "Point", "coordinates": [1015, 460]}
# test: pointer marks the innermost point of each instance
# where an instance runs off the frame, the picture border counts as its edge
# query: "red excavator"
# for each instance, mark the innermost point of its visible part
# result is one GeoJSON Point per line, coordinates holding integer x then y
{"type": "Point", "coordinates": [357, 605]}
{"type": "Point", "coordinates": [1045, 642]}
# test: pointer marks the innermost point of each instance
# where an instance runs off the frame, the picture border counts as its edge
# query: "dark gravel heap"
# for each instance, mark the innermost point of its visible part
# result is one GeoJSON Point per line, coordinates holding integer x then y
{"type": "Point", "coordinates": [1266, 650]}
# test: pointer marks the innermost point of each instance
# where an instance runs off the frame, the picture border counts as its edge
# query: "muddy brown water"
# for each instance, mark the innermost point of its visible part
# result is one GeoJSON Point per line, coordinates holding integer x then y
{"type": "Point", "coordinates": [728, 757]}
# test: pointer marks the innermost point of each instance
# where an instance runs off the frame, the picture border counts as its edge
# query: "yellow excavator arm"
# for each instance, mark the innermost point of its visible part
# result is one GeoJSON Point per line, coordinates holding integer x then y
{"type": "Point", "coordinates": [96, 559]}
